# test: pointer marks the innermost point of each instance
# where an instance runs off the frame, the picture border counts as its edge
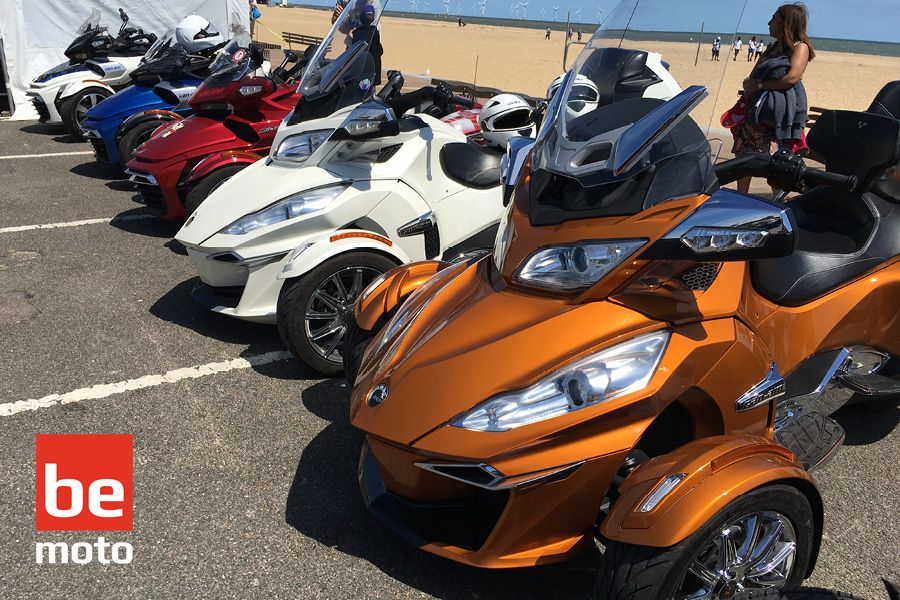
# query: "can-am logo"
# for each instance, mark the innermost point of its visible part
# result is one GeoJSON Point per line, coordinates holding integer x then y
{"type": "Point", "coordinates": [84, 483]}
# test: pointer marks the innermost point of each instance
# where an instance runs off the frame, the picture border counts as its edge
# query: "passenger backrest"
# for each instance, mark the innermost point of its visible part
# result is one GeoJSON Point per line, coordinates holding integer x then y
{"type": "Point", "coordinates": [887, 102]}
{"type": "Point", "coordinates": [856, 143]}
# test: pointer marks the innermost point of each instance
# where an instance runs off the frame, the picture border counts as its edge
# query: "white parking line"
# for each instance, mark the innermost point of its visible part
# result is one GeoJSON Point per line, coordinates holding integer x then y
{"type": "Point", "coordinates": [80, 153]}
{"type": "Point", "coordinates": [73, 223]}
{"type": "Point", "coordinates": [105, 390]}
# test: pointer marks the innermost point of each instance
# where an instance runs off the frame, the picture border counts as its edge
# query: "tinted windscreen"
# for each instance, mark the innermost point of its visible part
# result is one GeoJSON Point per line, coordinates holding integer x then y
{"type": "Point", "coordinates": [676, 166]}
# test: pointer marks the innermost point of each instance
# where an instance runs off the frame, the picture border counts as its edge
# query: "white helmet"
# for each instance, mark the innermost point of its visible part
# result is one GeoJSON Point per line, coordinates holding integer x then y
{"type": "Point", "coordinates": [554, 85]}
{"type": "Point", "coordinates": [583, 98]}
{"type": "Point", "coordinates": [195, 33]}
{"type": "Point", "coordinates": [505, 116]}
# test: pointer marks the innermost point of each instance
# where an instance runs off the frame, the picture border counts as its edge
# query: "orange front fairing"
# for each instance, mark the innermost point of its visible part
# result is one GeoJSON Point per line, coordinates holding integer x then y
{"type": "Point", "coordinates": [522, 238]}
{"type": "Point", "coordinates": [473, 338]}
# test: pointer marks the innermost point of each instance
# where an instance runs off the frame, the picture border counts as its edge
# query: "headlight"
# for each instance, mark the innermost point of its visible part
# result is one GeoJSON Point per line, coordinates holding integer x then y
{"type": "Point", "coordinates": [249, 90]}
{"type": "Point", "coordinates": [577, 266]}
{"type": "Point", "coordinates": [298, 148]}
{"type": "Point", "coordinates": [288, 208]}
{"type": "Point", "coordinates": [624, 368]}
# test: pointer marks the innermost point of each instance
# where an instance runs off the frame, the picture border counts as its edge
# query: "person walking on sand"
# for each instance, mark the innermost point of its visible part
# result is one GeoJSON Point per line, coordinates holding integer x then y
{"type": "Point", "coordinates": [774, 96]}
{"type": "Point", "coordinates": [547, 34]}
{"type": "Point", "coordinates": [751, 48]}
{"type": "Point", "coordinates": [255, 13]}
{"type": "Point", "coordinates": [716, 46]}
{"type": "Point", "coordinates": [737, 48]}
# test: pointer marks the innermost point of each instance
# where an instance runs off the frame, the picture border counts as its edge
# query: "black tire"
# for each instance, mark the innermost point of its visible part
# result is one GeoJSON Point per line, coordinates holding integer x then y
{"type": "Point", "coordinates": [296, 298]}
{"type": "Point", "coordinates": [72, 112]}
{"type": "Point", "coordinates": [357, 339]}
{"type": "Point", "coordinates": [798, 594]}
{"type": "Point", "coordinates": [136, 136]}
{"type": "Point", "coordinates": [629, 572]}
{"type": "Point", "coordinates": [206, 186]}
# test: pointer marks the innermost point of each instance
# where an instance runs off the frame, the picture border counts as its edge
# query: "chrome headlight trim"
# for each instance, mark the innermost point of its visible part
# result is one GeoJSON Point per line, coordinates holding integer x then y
{"type": "Point", "coordinates": [599, 377]}
{"type": "Point", "coordinates": [296, 149]}
{"type": "Point", "coordinates": [291, 207]}
{"type": "Point", "coordinates": [572, 267]}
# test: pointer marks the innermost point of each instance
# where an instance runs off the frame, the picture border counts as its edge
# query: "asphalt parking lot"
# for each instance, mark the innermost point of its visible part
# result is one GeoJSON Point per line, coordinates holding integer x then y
{"type": "Point", "coordinates": [245, 472]}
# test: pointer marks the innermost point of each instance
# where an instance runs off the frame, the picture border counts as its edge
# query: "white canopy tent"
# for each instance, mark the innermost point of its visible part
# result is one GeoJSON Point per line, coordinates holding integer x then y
{"type": "Point", "coordinates": [34, 34]}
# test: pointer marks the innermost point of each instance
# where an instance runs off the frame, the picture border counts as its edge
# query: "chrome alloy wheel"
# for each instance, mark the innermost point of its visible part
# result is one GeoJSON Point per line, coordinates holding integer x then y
{"type": "Point", "coordinates": [753, 551]}
{"type": "Point", "coordinates": [86, 103]}
{"type": "Point", "coordinates": [330, 309]}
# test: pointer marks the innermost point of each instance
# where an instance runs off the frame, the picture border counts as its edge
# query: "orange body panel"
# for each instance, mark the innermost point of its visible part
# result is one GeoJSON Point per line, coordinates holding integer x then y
{"type": "Point", "coordinates": [866, 311]}
{"type": "Point", "coordinates": [396, 286]}
{"type": "Point", "coordinates": [719, 469]}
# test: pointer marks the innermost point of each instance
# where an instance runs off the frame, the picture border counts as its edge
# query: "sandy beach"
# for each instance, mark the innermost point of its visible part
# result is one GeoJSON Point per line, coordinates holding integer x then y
{"type": "Point", "coordinates": [520, 60]}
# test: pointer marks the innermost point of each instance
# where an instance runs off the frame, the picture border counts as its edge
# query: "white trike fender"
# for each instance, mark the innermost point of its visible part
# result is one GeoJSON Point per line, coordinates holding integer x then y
{"type": "Point", "coordinates": [76, 86]}
{"type": "Point", "coordinates": [312, 253]}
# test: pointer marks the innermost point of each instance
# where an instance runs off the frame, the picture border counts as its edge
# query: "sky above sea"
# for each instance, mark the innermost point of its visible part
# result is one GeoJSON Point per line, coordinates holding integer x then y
{"type": "Point", "coordinates": [877, 20]}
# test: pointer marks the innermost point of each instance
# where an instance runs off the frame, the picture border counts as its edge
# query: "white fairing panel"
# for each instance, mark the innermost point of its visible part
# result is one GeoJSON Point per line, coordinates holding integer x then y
{"type": "Point", "coordinates": [390, 182]}
{"type": "Point", "coordinates": [668, 87]}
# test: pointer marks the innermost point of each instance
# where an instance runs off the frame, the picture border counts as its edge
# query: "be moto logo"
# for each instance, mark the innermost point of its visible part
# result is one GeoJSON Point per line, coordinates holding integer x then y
{"type": "Point", "coordinates": [84, 483]}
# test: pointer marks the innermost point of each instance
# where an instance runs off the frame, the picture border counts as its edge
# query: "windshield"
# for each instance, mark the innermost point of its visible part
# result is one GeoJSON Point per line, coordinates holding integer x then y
{"type": "Point", "coordinates": [161, 46]}
{"type": "Point", "coordinates": [335, 79]}
{"type": "Point", "coordinates": [231, 63]}
{"type": "Point", "coordinates": [618, 136]}
{"type": "Point", "coordinates": [92, 22]}
{"type": "Point", "coordinates": [352, 22]}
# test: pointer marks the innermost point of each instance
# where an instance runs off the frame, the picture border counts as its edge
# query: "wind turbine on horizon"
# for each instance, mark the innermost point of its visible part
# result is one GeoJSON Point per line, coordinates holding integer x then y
{"type": "Point", "coordinates": [542, 11]}
{"type": "Point", "coordinates": [555, 10]}
{"type": "Point", "coordinates": [577, 14]}
{"type": "Point", "coordinates": [481, 5]}
{"type": "Point", "coordinates": [599, 12]}
{"type": "Point", "coordinates": [524, 8]}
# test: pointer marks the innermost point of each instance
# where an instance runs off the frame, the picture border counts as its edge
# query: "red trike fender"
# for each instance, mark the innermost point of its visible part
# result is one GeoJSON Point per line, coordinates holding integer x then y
{"type": "Point", "coordinates": [219, 160]}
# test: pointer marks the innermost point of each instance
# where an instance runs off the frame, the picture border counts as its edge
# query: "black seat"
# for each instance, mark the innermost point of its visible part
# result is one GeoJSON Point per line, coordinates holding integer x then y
{"type": "Point", "coordinates": [887, 102]}
{"type": "Point", "coordinates": [840, 235]}
{"type": "Point", "coordinates": [471, 165]}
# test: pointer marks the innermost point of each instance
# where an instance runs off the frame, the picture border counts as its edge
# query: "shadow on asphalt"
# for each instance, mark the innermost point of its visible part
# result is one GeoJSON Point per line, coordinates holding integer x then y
{"type": "Point", "coordinates": [44, 129]}
{"type": "Point", "coordinates": [120, 185]}
{"type": "Point", "coordinates": [176, 306]}
{"type": "Point", "coordinates": [68, 139]}
{"type": "Point", "coordinates": [176, 247]}
{"type": "Point", "coordinates": [869, 421]}
{"type": "Point", "coordinates": [152, 227]}
{"type": "Point", "coordinates": [324, 503]}
{"type": "Point", "coordinates": [95, 170]}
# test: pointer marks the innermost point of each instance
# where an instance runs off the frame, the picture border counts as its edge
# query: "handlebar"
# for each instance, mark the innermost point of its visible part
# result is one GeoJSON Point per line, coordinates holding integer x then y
{"type": "Point", "coordinates": [784, 169]}
{"type": "Point", "coordinates": [820, 177]}
{"type": "Point", "coordinates": [461, 101]}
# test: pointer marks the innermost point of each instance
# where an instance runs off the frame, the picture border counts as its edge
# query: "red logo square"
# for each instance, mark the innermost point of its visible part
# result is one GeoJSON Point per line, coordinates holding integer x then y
{"type": "Point", "coordinates": [84, 482]}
